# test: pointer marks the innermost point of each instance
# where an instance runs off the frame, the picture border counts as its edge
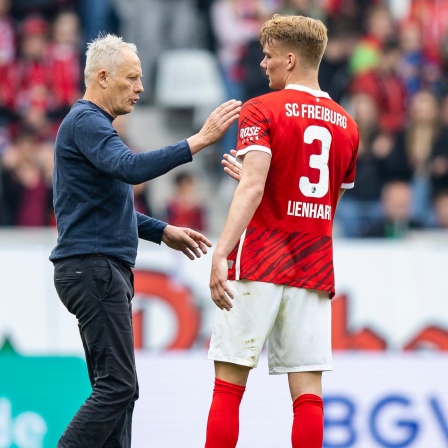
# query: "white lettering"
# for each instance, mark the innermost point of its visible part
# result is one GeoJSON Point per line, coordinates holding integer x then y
{"type": "Point", "coordinates": [304, 110]}
{"type": "Point", "coordinates": [320, 212]}
{"type": "Point", "coordinates": [249, 132]}
{"type": "Point", "coordinates": [310, 111]}
{"type": "Point", "coordinates": [316, 112]}
{"type": "Point", "coordinates": [309, 210]}
{"type": "Point", "coordinates": [339, 120]}
{"type": "Point", "coordinates": [292, 110]}
{"type": "Point", "coordinates": [306, 208]}
{"type": "Point", "coordinates": [333, 117]}
{"type": "Point", "coordinates": [25, 430]}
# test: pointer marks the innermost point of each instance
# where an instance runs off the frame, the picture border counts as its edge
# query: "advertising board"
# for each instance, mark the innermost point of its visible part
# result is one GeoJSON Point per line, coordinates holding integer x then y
{"type": "Point", "coordinates": [390, 337]}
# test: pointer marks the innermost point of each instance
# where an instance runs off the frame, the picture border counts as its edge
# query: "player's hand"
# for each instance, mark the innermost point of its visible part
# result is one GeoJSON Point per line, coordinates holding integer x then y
{"type": "Point", "coordinates": [188, 241]}
{"type": "Point", "coordinates": [215, 126]}
{"type": "Point", "coordinates": [221, 293]}
{"type": "Point", "coordinates": [231, 166]}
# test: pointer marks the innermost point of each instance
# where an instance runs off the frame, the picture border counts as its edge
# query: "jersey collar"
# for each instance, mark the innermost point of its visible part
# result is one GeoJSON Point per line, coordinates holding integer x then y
{"type": "Point", "coordinates": [317, 93]}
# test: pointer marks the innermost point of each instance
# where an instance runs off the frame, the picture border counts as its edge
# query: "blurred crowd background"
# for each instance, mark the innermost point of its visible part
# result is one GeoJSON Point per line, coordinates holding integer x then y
{"type": "Point", "coordinates": [386, 63]}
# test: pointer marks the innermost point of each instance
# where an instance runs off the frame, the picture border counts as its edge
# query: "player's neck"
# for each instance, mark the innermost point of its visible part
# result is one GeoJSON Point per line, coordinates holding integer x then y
{"type": "Point", "coordinates": [310, 81]}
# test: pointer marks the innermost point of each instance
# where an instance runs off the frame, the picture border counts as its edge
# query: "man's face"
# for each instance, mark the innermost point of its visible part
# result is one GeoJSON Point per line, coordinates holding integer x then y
{"type": "Point", "coordinates": [275, 63]}
{"type": "Point", "coordinates": [125, 85]}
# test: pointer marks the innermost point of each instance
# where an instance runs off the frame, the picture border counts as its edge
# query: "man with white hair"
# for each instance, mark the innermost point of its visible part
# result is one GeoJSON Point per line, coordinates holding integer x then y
{"type": "Point", "coordinates": [98, 231]}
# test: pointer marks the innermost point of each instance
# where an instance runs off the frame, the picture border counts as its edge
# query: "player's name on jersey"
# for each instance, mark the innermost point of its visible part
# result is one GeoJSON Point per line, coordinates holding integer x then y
{"type": "Point", "coordinates": [309, 210]}
{"type": "Point", "coordinates": [316, 112]}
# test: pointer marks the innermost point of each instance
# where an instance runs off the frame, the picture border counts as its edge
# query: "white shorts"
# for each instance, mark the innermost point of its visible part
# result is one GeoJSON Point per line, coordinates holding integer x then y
{"type": "Point", "coordinates": [296, 323]}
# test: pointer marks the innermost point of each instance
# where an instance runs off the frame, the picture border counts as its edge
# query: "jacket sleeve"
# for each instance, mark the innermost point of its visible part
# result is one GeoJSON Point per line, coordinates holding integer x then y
{"type": "Point", "coordinates": [101, 145]}
{"type": "Point", "coordinates": [150, 229]}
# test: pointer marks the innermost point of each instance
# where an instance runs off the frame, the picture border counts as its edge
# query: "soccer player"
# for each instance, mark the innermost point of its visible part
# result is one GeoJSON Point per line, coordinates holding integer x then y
{"type": "Point", "coordinates": [99, 228]}
{"type": "Point", "coordinates": [272, 269]}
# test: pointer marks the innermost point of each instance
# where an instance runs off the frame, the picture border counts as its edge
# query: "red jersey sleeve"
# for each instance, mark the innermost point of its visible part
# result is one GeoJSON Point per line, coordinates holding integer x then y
{"type": "Point", "coordinates": [349, 179]}
{"type": "Point", "coordinates": [253, 129]}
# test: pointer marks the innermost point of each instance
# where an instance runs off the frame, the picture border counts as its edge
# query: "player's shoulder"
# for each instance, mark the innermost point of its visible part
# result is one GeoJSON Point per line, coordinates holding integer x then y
{"type": "Point", "coordinates": [264, 101]}
{"type": "Point", "coordinates": [339, 108]}
{"type": "Point", "coordinates": [351, 123]}
{"type": "Point", "coordinates": [260, 99]}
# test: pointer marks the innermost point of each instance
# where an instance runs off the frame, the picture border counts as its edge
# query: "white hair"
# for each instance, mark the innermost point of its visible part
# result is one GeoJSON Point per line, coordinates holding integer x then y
{"type": "Point", "coordinates": [104, 52]}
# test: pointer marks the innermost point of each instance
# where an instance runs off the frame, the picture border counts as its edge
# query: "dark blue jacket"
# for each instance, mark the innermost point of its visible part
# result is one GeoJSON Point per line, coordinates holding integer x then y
{"type": "Point", "coordinates": [94, 174]}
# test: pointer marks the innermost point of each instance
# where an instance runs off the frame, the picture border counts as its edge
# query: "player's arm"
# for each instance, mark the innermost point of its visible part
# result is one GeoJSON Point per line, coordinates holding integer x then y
{"type": "Point", "coordinates": [341, 192]}
{"type": "Point", "coordinates": [245, 201]}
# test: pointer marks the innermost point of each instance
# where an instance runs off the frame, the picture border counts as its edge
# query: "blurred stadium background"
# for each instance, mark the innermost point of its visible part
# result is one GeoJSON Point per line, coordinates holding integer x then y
{"type": "Point", "coordinates": [387, 64]}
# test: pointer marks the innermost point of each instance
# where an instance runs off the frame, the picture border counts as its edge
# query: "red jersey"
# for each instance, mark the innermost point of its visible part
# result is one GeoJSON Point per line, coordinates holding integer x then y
{"type": "Point", "coordinates": [313, 143]}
